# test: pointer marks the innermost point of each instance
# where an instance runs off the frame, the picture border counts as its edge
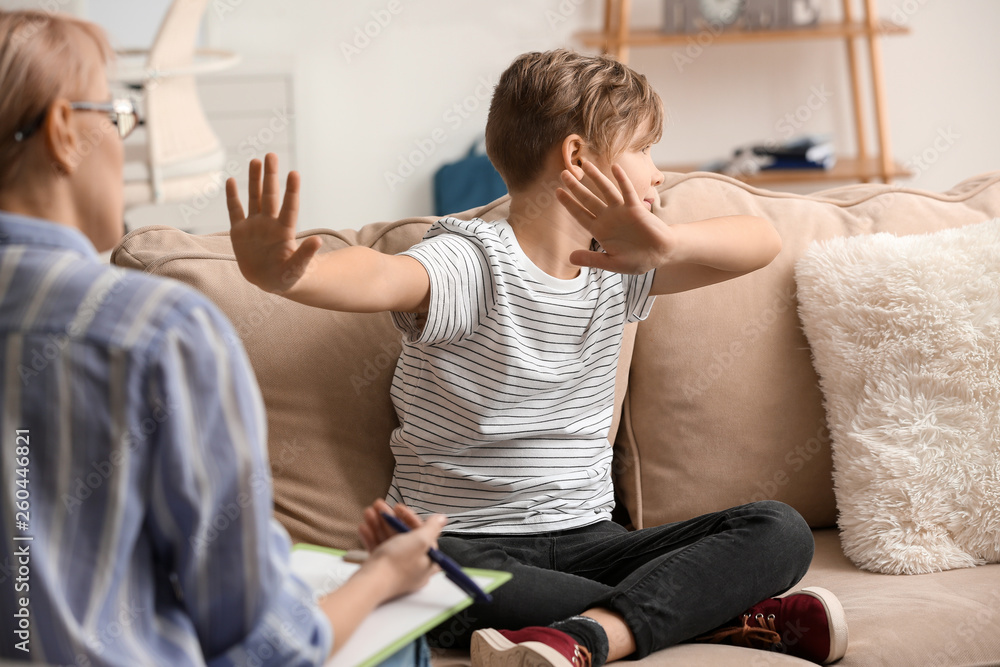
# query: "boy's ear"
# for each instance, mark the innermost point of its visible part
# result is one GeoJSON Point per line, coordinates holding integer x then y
{"type": "Point", "coordinates": [571, 151]}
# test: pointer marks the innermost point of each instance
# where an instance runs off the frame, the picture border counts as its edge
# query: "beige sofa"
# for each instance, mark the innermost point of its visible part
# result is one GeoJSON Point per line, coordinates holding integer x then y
{"type": "Point", "coordinates": [718, 404]}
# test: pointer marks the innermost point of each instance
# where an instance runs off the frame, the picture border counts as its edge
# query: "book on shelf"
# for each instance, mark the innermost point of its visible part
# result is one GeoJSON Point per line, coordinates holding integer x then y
{"type": "Point", "coordinates": [805, 152]}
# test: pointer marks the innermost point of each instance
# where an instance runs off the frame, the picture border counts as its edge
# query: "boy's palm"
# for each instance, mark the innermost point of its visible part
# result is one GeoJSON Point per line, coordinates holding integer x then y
{"type": "Point", "coordinates": [266, 249]}
{"type": "Point", "coordinates": [633, 239]}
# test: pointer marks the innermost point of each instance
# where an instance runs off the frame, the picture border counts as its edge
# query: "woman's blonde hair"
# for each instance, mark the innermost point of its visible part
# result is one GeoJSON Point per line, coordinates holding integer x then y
{"type": "Point", "coordinates": [542, 98]}
{"type": "Point", "coordinates": [40, 61]}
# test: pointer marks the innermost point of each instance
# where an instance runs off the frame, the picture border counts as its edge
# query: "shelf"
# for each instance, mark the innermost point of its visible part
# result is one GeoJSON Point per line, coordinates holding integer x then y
{"type": "Point", "coordinates": [846, 169]}
{"type": "Point", "coordinates": [652, 37]}
{"type": "Point", "coordinates": [854, 30]}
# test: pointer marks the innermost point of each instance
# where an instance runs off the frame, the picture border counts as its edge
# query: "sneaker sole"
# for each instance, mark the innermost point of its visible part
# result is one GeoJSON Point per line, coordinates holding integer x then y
{"type": "Point", "coordinates": [491, 649]}
{"type": "Point", "coordinates": [837, 621]}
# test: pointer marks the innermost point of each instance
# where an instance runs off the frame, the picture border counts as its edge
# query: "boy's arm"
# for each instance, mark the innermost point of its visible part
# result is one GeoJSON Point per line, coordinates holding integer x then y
{"type": "Point", "coordinates": [355, 279]}
{"type": "Point", "coordinates": [636, 241]}
{"type": "Point", "coordinates": [717, 249]}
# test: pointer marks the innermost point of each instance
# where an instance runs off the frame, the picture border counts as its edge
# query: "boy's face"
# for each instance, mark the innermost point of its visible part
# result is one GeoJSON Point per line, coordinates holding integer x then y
{"type": "Point", "coordinates": [638, 165]}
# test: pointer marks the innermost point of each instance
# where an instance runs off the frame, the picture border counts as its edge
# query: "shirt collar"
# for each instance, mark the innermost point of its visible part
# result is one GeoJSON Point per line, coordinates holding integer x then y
{"type": "Point", "coordinates": [21, 230]}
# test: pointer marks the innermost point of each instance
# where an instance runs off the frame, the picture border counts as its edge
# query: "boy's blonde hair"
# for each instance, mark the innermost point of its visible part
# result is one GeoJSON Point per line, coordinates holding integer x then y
{"type": "Point", "coordinates": [40, 61]}
{"type": "Point", "coordinates": [542, 98]}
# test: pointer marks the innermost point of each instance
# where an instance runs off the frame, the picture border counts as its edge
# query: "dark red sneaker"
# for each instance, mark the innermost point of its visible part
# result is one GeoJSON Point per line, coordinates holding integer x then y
{"type": "Point", "coordinates": [530, 647]}
{"type": "Point", "coordinates": [808, 624]}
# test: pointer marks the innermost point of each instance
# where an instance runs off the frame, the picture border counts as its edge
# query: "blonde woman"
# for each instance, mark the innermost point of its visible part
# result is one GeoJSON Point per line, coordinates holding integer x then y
{"type": "Point", "coordinates": [135, 503]}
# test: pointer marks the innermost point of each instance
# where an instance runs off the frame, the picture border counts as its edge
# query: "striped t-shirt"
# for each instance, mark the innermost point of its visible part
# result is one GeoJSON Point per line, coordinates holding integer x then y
{"type": "Point", "coordinates": [505, 389]}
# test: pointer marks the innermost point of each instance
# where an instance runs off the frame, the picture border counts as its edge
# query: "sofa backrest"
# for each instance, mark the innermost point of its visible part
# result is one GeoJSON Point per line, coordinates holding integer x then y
{"type": "Point", "coordinates": [324, 376]}
{"type": "Point", "coordinates": [722, 403]}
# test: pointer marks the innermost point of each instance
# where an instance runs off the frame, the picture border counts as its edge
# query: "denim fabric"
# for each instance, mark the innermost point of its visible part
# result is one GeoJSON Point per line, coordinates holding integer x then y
{"type": "Point", "coordinates": [670, 583]}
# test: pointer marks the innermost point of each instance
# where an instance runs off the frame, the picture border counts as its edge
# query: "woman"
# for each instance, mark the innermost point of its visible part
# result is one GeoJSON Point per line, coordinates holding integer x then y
{"type": "Point", "coordinates": [135, 479]}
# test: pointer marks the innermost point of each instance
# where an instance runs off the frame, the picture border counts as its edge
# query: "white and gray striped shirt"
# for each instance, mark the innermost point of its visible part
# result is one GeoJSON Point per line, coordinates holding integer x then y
{"type": "Point", "coordinates": [505, 390]}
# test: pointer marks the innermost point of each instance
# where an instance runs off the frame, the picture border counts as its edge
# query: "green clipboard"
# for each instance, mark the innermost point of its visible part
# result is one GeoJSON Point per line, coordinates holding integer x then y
{"type": "Point", "coordinates": [379, 636]}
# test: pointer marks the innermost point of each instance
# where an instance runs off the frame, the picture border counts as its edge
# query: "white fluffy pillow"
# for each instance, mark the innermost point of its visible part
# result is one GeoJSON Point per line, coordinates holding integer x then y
{"type": "Point", "coordinates": [905, 335]}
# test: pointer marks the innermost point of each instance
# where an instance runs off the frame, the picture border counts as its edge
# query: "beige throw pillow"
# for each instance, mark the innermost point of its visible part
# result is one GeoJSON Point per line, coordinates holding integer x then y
{"type": "Point", "coordinates": [905, 334]}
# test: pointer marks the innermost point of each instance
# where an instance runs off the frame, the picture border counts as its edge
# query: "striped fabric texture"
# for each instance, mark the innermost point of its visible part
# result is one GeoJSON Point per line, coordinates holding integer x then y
{"type": "Point", "coordinates": [505, 389]}
{"type": "Point", "coordinates": [133, 431]}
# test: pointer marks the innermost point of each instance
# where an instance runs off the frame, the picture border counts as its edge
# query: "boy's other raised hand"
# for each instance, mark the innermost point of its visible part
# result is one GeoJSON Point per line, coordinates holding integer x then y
{"type": "Point", "coordinates": [264, 242]}
{"type": "Point", "coordinates": [634, 240]}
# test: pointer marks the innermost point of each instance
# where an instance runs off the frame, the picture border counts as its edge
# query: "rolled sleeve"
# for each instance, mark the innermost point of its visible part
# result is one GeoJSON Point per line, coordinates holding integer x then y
{"type": "Point", "coordinates": [291, 630]}
{"type": "Point", "coordinates": [638, 301]}
{"type": "Point", "coordinates": [458, 272]}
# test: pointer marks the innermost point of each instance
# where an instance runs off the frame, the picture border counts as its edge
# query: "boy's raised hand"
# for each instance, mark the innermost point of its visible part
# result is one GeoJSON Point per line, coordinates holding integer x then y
{"type": "Point", "coordinates": [264, 242]}
{"type": "Point", "coordinates": [634, 240]}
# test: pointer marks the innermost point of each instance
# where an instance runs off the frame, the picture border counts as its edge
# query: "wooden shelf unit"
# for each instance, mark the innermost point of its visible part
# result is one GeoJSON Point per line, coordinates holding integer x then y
{"type": "Point", "coordinates": [846, 169]}
{"type": "Point", "coordinates": [618, 36]}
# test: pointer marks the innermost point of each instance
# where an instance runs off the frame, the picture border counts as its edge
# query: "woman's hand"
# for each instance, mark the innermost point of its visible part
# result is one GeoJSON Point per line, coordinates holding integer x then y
{"type": "Point", "coordinates": [401, 557]}
{"type": "Point", "coordinates": [397, 565]}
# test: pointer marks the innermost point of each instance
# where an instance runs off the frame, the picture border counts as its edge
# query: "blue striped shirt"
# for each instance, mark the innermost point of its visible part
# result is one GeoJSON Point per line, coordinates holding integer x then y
{"type": "Point", "coordinates": [135, 515]}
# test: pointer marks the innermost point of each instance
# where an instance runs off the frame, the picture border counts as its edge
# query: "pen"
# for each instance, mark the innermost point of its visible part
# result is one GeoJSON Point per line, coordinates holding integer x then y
{"type": "Point", "coordinates": [450, 567]}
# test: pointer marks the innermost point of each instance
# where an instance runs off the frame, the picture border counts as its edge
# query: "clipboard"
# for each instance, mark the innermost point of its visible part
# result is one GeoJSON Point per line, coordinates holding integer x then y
{"type": "Point", "coordinates": [396, 623]}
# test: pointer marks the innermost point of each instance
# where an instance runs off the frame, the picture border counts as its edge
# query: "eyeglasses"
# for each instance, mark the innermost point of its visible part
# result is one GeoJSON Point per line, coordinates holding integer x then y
{"type": "Point", "coordinates": [121, 112]}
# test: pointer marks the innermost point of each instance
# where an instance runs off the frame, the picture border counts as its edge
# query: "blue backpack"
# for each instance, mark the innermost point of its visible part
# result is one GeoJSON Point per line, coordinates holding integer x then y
{"type": "Point", "coordinates": [467, 183]}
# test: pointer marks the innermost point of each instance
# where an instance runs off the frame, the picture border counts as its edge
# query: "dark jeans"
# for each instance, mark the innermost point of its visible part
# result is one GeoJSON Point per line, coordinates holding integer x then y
{"type": "Point", "coordinates": [671, 583]}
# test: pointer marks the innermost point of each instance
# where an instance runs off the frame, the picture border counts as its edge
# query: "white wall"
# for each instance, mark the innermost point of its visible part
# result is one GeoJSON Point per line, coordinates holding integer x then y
{"type": "Point", "coordinates": [389, 91]}
{"type": "Point", "coordinates": [362, 114]}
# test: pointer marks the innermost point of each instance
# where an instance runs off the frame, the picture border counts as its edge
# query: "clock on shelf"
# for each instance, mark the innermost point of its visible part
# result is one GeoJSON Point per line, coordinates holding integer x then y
{"type": "Point", "coordinates": [693, 16]}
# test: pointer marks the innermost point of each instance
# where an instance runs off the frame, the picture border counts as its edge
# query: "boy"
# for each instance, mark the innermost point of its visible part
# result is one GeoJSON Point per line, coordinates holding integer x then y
{"type": "Point", "coordinates": [505, 386]}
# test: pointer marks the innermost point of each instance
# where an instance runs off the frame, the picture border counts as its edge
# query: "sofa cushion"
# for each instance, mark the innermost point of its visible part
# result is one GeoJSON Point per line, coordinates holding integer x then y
{"type": "Point", "coordinates": [723, 405]}
{"type": "Point", "coordinates": [946, 619]}
{"type": "Point", "coordinates": [324, 376]}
